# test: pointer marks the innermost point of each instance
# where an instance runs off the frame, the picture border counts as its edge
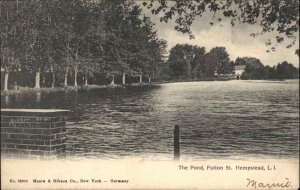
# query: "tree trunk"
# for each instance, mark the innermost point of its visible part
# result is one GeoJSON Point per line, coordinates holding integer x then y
{"type": "Point", "coordinates": [6, 100]}
{"type": "Point", "coordinates": [38, 97]}
{"type": "Point", "coordinates": [113, 80]}
{"type": "Point", "coordinates": [16, 85]}
{"type": "Point", "coordinates": [141, 78]}
{"type": "Point", "coordinates": [189, 69]}
{"type": "Point", "coordinates": [53, 79]}
{"type": "Point", "coordinates": [66, 78]}
{"type": "Point", "coordinates": [68, 63]}
{"type": "Point", "coordinates": [124, 78]}
{"type": "Point", "coordinates": [86, 81]}
{"type": "Point", "coordinates": [75, 77]}
{"type": "Point", "coordinates": [76, 68]}
{"type": "Point", "coordinates": [6, 81]}
{"type": "Point", "coordinates": [44, 80]}
{"type": "Point", "coordinates": [37, 79]}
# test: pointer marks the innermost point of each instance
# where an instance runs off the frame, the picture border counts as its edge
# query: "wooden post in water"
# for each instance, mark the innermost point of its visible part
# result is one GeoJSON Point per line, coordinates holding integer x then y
{"type": "Point", "coordinates": [176, 143]}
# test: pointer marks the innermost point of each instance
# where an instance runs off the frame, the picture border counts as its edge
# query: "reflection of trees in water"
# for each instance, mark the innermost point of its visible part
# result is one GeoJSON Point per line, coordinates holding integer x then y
{"type": "Point", "coordinates": [6, 100]}
{"type": "Point", "coordinates": [38, 97]}
{"type": "Point", "coordinates": [135, 122]}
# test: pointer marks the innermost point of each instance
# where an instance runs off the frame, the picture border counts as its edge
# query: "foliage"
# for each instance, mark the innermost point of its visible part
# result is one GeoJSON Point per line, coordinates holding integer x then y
{"type": "Point", "coordinates": [183, 59]}
{"type": "Point", "coordinates": [205, 66]}
{"type": "Point", "coordinates": [276, 15]}
{"type": "Point", "coordinates": [297, 52]}
{"type": "Point", "coordinates": [285, 70]}
{"type": "Point", "coordinates": [85, 37]}
{"type": "Point", "coordinates": [218, 59]}
{"type": "Point", "coordinates": [187, 62]}
{"type": "Point", "coordinates": [256, 70]}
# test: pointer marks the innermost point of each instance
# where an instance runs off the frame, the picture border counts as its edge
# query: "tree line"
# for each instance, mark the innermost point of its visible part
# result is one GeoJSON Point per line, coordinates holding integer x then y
{"type": "Point", "coordinates": [188, 62]}
{"type": "Point", "coordinates": [56, 43]}
{"type": "Point", "coordinates": [283, 70]}
{"type": "Point", "coordinates": [193, 62]}
{"type": "Point", "coordinates": [73, 38]}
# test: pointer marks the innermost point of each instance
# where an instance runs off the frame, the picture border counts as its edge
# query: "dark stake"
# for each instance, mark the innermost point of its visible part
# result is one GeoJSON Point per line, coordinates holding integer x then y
{"type": "Point", "coordinates": [176, 143]}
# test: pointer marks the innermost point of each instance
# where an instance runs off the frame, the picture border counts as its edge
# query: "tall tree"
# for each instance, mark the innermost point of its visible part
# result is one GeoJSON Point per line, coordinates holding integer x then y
{"type": "Point", "coordinates": [286, 70]}
{"type": "Point", "coordinates": [81, 38]}
{"type": "Point", "coordinates": [183, 59]}
{"type": "Point", "coordinates": [254, 68]}
{"type": "Point", "coordinates": [216, 58]}
{"type": "Point", "coordinates": [10, 37]}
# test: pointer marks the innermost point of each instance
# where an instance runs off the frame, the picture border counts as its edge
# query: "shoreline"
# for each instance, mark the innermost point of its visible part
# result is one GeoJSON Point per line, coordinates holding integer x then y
{"type": "Point", "coordinates": [24, 90]}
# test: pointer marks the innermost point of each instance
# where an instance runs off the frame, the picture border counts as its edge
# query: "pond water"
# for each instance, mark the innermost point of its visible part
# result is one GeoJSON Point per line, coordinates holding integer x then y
{"type": "Point", "coordinates": [217, 119]}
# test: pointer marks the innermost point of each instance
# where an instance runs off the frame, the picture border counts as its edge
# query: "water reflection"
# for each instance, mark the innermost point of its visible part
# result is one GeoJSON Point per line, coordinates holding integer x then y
{"type": "Point", "coordinates": [6, 100]}
{"type": "Point", "coordinates": [38, 97]}
{"type": "Point", "coordinates": [217, 119]}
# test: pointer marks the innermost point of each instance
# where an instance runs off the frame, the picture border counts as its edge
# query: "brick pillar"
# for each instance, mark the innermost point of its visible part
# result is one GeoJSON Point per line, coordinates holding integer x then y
{"type": "Point", "coordinates": [33, 133]}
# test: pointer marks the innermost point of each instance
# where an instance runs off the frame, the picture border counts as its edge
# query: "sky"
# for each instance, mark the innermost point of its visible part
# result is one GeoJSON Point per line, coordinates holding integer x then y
{"type": "Point", "coordinates": [236, 40]}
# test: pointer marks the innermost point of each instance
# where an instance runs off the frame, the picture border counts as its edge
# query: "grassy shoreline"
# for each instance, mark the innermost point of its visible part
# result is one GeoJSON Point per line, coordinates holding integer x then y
{"type": "Point", "coordinates": [23, 90]}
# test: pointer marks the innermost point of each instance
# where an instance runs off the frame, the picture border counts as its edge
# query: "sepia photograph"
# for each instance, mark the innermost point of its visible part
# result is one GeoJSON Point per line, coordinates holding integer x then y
{"type": "Point", "coordinates": [149, 94]}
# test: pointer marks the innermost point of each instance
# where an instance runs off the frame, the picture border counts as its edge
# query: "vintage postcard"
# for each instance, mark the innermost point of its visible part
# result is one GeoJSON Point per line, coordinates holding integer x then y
{"type": "Point", "coordinates": [164, 94]}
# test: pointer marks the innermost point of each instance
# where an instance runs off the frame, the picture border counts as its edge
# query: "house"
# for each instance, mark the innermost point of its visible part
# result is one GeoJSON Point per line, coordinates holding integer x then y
{"type": "Point", "coordinates": [227, 76]}
{"type": "Point", "coordinates": [238, 71]}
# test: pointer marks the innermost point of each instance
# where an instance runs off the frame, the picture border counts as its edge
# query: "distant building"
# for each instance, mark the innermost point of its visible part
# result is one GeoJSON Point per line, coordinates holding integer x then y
{"type": "Point", "coordinates": [238, 71]}
{"type": "Point", "coordinates": [227, 76]}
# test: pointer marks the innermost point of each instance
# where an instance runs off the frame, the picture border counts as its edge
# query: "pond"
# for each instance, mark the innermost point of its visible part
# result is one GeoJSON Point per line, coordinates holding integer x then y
{"type": "Point", "coordinates": [217, 119]}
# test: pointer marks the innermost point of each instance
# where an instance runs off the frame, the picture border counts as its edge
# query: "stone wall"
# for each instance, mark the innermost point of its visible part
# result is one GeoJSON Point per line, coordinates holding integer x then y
{"type": "Point", "coordinates": [33, 133]}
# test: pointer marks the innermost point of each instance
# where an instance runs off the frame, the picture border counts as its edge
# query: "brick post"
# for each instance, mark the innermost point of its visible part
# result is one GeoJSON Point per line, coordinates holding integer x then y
{"type": "Point", "coordinates": [33, 133]}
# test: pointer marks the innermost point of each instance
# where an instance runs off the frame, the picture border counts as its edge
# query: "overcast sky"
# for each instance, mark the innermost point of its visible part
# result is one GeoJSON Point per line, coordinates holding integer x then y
{"type": "Point", "coordinates": [237, 40]}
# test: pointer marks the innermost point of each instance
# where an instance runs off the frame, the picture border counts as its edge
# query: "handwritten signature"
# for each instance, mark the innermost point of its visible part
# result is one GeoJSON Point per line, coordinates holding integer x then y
{"type": "Point", "coordinates": [255, 184]}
